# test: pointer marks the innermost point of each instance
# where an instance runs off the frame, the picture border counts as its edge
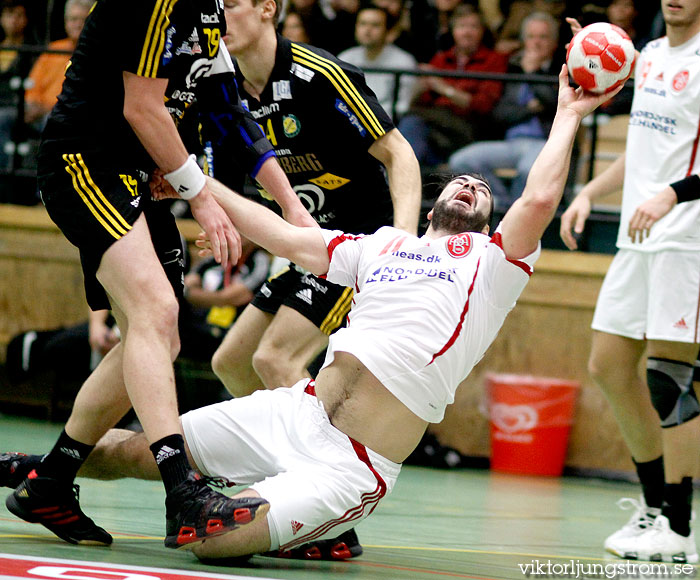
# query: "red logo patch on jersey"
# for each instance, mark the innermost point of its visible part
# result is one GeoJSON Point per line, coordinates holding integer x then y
{"type": "Point", "coordinates": [680, 81]}
{"type": "Point", "coordinates": [460, 245]}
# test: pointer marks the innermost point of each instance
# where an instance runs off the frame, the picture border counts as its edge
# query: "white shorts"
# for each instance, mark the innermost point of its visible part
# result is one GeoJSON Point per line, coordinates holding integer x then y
{"type": "Point", "coordinates": [319, 481]}
{"type": "Point", "coordinates": [653, 296]}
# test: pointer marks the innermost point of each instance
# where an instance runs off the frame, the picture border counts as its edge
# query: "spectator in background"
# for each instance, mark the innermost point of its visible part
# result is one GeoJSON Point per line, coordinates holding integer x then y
{"type": "Point", "coordinates": [399, 33]}
{"type": "Point", "coordinates": [373, 51]}
{"type": "Point", "coordinates": [453, 112]}
{"type": "Point", "coordinates": [47, 74]}
{"type": "Point", "coordinates": [431, 27]}
{"type": "Point", "coordinates": [330, 26]}
{"type": "Point", "coordinates": [342, 31]}
{"type": "Point", "coordinates": [294, 28]}
{"type": "Point", "coordinates": [71, 352]}
{"type": "Point", "coordinates": [13, 65]}
{"type": "Point", "coordinates": [516, 11]}
{"type": "Point", "coordinates": [525, 112]}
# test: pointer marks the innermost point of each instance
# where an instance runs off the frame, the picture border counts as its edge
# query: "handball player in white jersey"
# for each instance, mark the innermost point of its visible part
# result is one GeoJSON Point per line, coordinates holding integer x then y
{"type": "Point", "coordinates": [324, 453]}
{"type": "Point", "coordinates": [650, 299]}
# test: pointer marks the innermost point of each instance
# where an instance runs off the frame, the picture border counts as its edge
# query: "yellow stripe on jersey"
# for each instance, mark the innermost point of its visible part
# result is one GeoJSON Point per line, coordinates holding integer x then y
{"type": "Point", "coordinates": [338, 312]}
{"type": "Point", "coordinates": [344, 86]}
{"type": "Point", "coordinates": [93, 198]}
{"type": "Point", "coordinates": [155, 38]}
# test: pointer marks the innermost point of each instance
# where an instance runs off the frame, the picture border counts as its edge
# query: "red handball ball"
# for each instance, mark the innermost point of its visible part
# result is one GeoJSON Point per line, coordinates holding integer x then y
{"type": "Point", "coordinates": [600, 57]}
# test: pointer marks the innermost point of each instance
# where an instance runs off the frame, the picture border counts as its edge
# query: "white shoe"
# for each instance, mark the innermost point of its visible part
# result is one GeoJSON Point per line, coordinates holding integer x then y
{"type": "Point", "coordinates": [660, 543]}
{"type": "Point", "coordinates": [624, 539]}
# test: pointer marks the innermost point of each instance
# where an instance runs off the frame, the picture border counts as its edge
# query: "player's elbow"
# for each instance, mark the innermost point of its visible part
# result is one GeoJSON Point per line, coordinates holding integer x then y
{"type": "Point", "coordinates": [542, 201]}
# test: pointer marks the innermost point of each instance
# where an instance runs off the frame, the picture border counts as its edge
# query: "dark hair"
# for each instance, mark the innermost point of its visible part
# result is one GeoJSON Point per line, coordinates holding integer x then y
{"type": "Point", "coordinates": [463, 10]}
{"type": "Point", "coordinates": [8, 4]}
{"type": "Point", "coordinates": [389, 18]}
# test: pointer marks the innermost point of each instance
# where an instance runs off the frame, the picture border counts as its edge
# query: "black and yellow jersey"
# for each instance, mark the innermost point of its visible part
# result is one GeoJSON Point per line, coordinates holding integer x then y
{"type": "Point", "coordinates": [321, 118]}
{"type": "Point", "coordinates": [178, 40]}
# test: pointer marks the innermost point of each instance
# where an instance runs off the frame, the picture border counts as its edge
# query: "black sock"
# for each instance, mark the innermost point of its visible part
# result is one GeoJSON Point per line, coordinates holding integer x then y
{"type": "Point", "coordinates": [677, 505]}
{"type": "Point", "coordinates": [171, 458]}
{"type": "Point", "coordinates": [651, 476]}
{"type": "Point", "coordinates": [65, 459]}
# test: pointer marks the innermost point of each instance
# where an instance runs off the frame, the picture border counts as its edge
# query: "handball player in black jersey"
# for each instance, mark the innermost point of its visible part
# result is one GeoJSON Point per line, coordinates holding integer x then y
{"type": "Point", "coordinates": [134, 78]}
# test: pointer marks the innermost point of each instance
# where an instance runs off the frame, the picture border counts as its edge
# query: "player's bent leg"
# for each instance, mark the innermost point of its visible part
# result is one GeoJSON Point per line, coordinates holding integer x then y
{"type": "Point", "coordinates": [102, 400]}
{"type": "Point", "coordinates": [613, 364]}
{"type": "Point", "coordinates": [290, 343]}
{"type": "Point", "coordinates": [670, 378]}
{"type": "Point", "coordinates": [232, 361]}
{"type": "Point", "coordinates": [119, 454]}
{"type": "Point", "coordinates": [132, 275]}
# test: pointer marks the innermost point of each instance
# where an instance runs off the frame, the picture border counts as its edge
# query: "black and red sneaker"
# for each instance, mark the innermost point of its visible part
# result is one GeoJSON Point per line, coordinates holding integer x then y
{"type": "Point", "coordinates": [14, 467]}
{"type": "Point", "coordinates": [56, 506]}
{"type": "Point", "coordinates": [344, 547]}
{"type": "Point", "coordinates": [195, 512]}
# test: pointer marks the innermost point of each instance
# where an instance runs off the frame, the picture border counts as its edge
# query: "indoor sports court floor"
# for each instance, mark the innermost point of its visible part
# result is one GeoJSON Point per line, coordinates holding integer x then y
{"type": "Point", "coordinates": [465, 523]}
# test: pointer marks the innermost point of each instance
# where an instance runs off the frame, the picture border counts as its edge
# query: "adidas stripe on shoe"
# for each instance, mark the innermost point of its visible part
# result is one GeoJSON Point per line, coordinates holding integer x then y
{"type": "Point", "coordinates": [56, 506]}
{"type": "Point", "coordinates": [195, 512]}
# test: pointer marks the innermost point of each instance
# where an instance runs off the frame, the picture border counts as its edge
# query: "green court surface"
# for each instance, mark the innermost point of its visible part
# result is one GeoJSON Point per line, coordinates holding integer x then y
{"type": "Point", "coordinates": [436, 524]}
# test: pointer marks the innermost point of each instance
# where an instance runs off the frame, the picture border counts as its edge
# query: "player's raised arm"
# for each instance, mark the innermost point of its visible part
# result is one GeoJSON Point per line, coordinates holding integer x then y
{"type": "Point", "coordinates": [527, 219]}
{"type": "Point", "coordinates": [302, 245]}
{"type": "Point", "coordinates": [403, 173]}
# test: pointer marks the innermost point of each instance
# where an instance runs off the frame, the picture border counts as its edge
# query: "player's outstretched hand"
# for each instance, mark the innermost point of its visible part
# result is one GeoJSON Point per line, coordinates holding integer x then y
{"type": "Point", "coordinates": [649, 212]}
{"type": "Point", "coordinates": [573, 220]}
{"type": "Point", "coordinates": [574, 24]}
{"type": "Point", "coordinates": [578, 100]}
{"type": "Point", "coordinates": [223, 237]}
{"type": "Point", "coordinates": [575, 27]}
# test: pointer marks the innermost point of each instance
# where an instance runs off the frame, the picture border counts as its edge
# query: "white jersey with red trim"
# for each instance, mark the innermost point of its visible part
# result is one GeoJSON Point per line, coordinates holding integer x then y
{"type": "Point", "coordinates": [662, 142]}
{"type": "Point", "coordinates": [425, 310]}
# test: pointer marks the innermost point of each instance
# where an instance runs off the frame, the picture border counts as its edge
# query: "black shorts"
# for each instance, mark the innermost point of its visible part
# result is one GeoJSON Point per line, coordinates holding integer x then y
{"type": "Point", "coordinates": [95, 205]}
{"type": "Point", "coordinates": [323, 303]}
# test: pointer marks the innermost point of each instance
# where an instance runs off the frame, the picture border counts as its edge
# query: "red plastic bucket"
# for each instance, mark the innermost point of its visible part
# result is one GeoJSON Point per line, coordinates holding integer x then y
{"type": "Point", "coordinates": [530, 422]}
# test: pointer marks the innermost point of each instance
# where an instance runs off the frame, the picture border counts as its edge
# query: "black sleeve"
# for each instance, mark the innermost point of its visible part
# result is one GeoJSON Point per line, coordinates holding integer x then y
{"type": "Point", "coordinates": [237, 142]}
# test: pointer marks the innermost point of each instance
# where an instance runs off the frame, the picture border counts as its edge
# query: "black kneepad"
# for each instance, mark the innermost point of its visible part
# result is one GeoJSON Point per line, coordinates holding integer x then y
{"type": "Point", "coordinates": [671, 388]}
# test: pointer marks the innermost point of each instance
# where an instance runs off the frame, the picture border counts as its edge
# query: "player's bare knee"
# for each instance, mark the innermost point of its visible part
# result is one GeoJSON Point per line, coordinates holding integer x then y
{"type": "Point", "coordinates": [599, 369]}
{"type": "Point", "coordinates": [671, 389]}
{"type": "Point", "coordinates": [161, 319]}
{"type": "Point", "coordinates": [273, 367]}
{"type": "Point", "coordinates": [121, 453]}
{"type": "Point", "coordinates": [221, 364]}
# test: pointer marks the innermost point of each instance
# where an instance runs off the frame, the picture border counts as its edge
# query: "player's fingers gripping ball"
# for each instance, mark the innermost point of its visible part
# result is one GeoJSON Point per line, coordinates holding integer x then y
{"type": "Point", "coordinates": [600, 57]}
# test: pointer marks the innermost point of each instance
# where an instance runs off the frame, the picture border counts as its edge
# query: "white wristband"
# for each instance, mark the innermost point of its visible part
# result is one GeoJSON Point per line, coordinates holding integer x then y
{"type": "Point", "coordinates": [188, 180]}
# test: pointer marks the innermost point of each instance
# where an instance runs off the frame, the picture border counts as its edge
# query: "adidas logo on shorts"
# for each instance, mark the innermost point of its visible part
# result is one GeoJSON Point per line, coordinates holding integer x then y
{"type": "Point", "coordinates": [306, 295]}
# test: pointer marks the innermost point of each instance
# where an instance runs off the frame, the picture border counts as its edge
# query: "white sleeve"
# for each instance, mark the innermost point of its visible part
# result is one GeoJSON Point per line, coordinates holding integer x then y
{"type": "Point", "coordinates": [344, 251]}
{"type": "Point", "coordinates": [506, 278]}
